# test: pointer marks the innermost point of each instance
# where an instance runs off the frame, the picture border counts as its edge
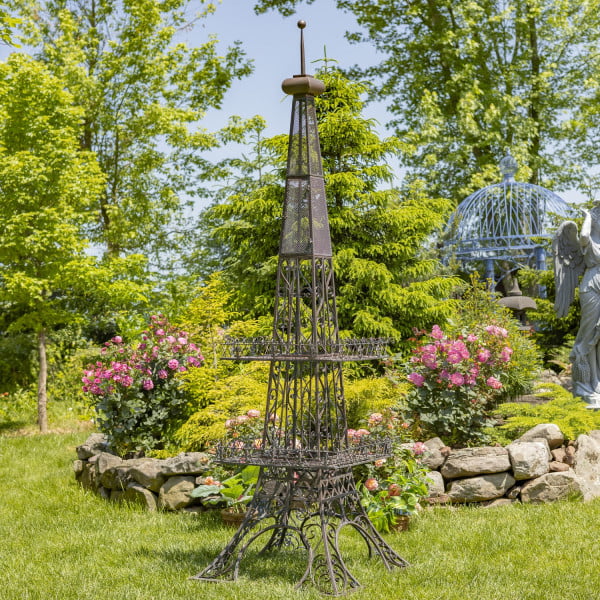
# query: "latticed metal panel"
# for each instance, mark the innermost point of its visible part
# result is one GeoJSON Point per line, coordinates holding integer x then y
{"type": "Point", "coordinates": [305, 223]}
{"type": "Point", "coordinates": [504, 221]}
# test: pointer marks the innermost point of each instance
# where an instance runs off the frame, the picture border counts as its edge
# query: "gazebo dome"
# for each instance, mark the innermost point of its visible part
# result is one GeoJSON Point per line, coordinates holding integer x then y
{"type": "Point", "coordinates": [507, 221]}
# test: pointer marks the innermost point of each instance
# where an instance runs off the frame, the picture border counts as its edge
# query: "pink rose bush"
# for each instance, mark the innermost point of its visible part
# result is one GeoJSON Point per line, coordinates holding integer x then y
{"type": "Point", "coordinates": [455, 381]}
{"type": "Point", "coordinates": [136, 388]}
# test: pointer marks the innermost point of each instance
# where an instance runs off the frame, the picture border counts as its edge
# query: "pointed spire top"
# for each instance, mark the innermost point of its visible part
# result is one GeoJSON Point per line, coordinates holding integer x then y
{"type": "Point", "coordinates": [303, 83]}
{"type": "Point", "coordinates": [301, 26]}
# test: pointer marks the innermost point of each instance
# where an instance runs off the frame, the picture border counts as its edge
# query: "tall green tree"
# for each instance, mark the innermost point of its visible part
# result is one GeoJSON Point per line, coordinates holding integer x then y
{"type": "Point", "coordinates": [144, 92]}
{"type": "Point", "coordinates": [385, 276]}
{"type": "Point", "coordinates": [464, 80]}
{"type": "Point", "coordinates": [47, 187]}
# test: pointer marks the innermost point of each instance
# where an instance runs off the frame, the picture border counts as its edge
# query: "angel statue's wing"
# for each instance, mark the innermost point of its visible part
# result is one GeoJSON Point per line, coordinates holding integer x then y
{"type": "Point", "coordinates": [568, 265]}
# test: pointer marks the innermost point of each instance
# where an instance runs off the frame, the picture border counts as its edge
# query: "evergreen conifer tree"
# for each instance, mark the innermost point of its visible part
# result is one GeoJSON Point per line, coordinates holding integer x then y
{"type": "Point", "coordinates": [386, 276]}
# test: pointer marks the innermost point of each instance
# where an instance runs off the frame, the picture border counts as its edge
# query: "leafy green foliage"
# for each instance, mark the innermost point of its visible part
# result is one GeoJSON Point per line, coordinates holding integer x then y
{"type": "Point", "coordinates": [237, 393]}
{"type": "Point", "coordinates": [465, 79]}
{"type": "Point", "coordinates": [367, 395]}
{"type": "Point", "coordinates": [554, 336]}
{"type": "Point", "coordinates": [143, 92]}
{"type": "Point", "coordinates": [236, 491]}
{"type": "Point", "coordinates": [393, 488]}
{"type": "Point", "coordinates": [562, 409]}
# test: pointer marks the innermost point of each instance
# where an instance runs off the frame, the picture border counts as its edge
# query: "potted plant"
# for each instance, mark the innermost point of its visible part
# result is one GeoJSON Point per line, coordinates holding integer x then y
{"type": "Point", "coordinates": [391, 491]}
{"type": "Point", "coordinates": [234, 493]}
{"type": "Point", "coordinates": [390, 502]}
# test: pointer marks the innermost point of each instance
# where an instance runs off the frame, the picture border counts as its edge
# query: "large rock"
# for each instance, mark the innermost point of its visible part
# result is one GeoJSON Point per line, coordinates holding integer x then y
{"type": "Point", "coordinates": [148, 474]}
{"type": "Point", "coordinates": [95, 444]}
{"type": "Point", "coordinates": [139, 495]}
{"type": "Point", "coordinates": [105, 461]}
{"type": "Point", "coordinates": [475, 461]}
{"type": "Point", "coordinates": [595, 435]}
{"type": "Point", "coordinates": [480, 489]}
{"type": "Point", "coordinates": [87, 477]}
{"type": "Point", "coordinates": [549, 431]}
{"type": "Point", "coordinates": [551, 487]}
{"type": "Point", "coordinates": [175, 492]}
{"type": "Point", "coordinates": [528, 459]}
{"type": "Point", "coordinates": [186, 463]}
{"type": "Point", "coordinates": [433, 458]}
{"type": "Point", "coordinates": [119, 476]}
{"type": "Point", "coordinates": [587, 465]}
{"type": "Point", "coordinates": [435, 484]}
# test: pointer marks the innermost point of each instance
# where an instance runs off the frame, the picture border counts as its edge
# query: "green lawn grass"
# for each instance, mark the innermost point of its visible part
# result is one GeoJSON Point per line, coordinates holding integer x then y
{"type": "Point", "coordinates": [61, 543]}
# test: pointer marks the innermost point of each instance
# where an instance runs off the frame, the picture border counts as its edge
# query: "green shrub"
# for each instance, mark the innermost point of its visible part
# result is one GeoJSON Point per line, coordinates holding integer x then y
{"type": "Point", "coordinates": [17, 408]}
{"type": "Point", "coordinates": [564, 410]}
{"type": "Point", "coordinates": [232, 395]}
{"type": "Point", "coordinates": [368, 395]}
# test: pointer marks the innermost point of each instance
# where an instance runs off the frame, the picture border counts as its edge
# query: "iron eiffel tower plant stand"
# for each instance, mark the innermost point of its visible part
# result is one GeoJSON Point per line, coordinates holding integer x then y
{"type": "Point", "coordinates": [306, 491]}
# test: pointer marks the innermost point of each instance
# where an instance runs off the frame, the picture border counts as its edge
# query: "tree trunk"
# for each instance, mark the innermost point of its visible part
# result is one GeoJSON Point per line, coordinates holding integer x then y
{"type": "Point", "coordinates": [42, 398]}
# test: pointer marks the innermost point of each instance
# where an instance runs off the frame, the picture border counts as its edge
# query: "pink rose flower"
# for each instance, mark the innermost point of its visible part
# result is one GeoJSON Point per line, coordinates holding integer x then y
{"type": "Point", "coordinates": [117, 339]}
{"type": "Point", "coordinates": [483, 355]}
{"type": "Point", "coordinates": [173, 364]}
{"type": "Point", "coordinates": [372, 484]}
{"type": "Point", "coordinates": [437, 333]}
{"type": "Point", "coordinates": [493, 383]}
{"type": "Point", "coordinates": [162, 374]}
{"type": "Point", "coordinates": [457, 378]}
{"type": "Point", "coordinates": [253, 413]}
{"type": "Point", "coordinates": [419, 448]}
{"type": "Point", "coordinates": [416, 379]}
{"type": "Point", "coordinates": [148, 384]}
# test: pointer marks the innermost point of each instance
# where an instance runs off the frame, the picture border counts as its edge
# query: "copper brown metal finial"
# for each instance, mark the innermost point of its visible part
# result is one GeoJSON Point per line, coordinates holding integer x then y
{"type": "Point", "coordinates": [303, 83]}
{"type": "Point", "coordinates": [301, 26]}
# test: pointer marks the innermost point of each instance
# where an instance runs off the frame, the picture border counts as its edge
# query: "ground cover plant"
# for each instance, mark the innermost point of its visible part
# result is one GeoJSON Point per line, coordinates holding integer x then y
{"type": "Point", "coordinates": [561, 408]}
{"type": "Point", "coordinates": [61, 543]}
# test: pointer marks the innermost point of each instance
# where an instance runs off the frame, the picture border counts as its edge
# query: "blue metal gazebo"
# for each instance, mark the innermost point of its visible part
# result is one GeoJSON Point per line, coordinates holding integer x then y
{"type": "Point", "coordinates": [505, 222]}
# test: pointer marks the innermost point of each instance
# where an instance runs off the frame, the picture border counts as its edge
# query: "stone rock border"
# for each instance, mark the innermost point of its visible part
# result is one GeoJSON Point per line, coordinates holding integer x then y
{"type": "Point", "coordinates": [541, 466]}
{"type": "Point", "coordinates": [149, 482]}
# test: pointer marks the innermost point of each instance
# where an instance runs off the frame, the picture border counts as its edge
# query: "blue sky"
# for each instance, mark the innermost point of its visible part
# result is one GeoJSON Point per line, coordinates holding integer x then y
{"type": "Point", "coordinates": [272, 41]}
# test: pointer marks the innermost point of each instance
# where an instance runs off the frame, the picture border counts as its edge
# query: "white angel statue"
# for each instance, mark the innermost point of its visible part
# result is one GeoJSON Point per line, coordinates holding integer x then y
{"type": "Point", "coordinates": [574, 255]}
